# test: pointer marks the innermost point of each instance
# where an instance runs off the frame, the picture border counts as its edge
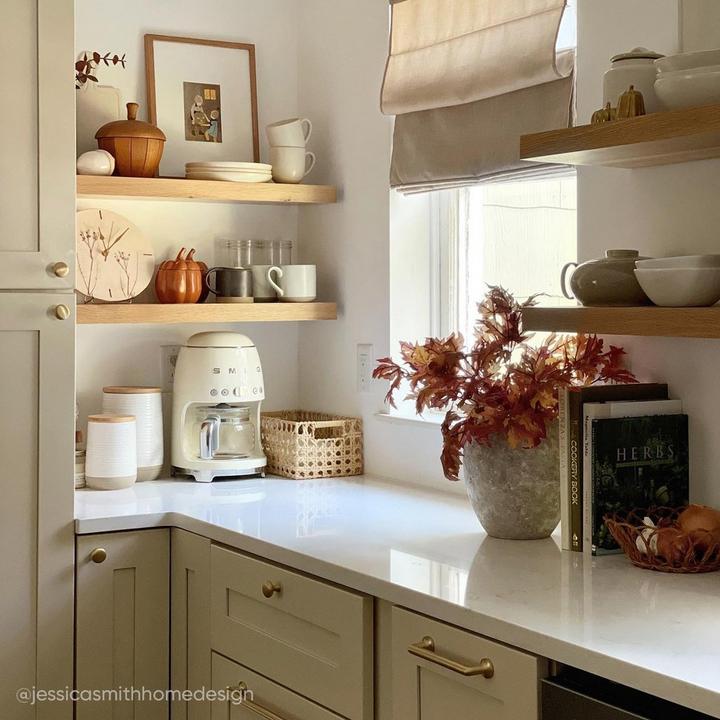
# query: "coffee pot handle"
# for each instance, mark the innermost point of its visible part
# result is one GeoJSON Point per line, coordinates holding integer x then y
{"type": "Point", "coordinates": [206, 280]}
{"type": "Point", "coordinates": [276, 287]}
{"type": "Point", "coordinates": [563, 276]}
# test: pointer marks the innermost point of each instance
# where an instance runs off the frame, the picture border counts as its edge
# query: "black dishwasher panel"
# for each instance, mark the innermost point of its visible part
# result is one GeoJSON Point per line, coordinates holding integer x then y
{"type": "Point", "coordinates": [577, 695]}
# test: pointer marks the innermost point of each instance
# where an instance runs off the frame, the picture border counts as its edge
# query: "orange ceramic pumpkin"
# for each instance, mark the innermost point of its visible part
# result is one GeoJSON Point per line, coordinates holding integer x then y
{"type": "Point", "coordinates": [179, 280]}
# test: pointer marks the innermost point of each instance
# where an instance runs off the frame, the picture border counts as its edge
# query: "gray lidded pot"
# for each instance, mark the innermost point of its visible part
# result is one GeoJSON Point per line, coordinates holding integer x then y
{"type": "Point", "coordinates": [606, 281]}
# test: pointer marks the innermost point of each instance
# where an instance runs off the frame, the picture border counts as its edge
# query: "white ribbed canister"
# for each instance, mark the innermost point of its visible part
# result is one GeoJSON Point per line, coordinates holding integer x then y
{"type": "Point", "coordinates": [145, 403]}
{"type": "Point", "coordinates": [111, 454]}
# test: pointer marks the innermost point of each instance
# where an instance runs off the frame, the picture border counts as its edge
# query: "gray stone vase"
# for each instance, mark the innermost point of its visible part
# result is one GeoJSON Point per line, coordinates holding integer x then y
{"type": "Point", "coordinates": [515, 492]}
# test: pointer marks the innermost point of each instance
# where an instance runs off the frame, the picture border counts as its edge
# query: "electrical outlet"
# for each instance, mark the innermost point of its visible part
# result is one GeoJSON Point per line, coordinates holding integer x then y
{"type": "Point", "coordinates": [169, 360]}
{"type": "Point", "coordinates": [365, 356]}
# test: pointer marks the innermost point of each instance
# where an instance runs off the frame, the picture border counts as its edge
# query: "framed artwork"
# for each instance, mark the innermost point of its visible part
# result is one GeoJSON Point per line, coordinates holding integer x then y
{"type": "Point", "coordinates": [203, 95]}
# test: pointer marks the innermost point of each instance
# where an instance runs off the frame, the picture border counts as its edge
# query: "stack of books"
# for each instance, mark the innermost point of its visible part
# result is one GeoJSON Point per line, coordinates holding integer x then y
{"type": "Point", "coordinates": [621, 447]}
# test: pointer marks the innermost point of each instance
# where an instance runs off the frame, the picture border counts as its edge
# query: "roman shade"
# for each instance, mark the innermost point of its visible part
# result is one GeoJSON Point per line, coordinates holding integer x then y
{"type": "Point", "coordinates": [466, 78]}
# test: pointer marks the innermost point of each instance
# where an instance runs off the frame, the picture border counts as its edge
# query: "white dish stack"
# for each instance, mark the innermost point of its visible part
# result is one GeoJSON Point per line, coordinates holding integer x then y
{"type": "Point", "coordinates": [681, 281]}
{"type": "Point", "coordinates": [688, 79]}
{"type": "Point", "coordinates": [290, 159]}
{"type": "Point", "coordinates": [145, 405]}
{"type": "Point", "coordinates": [111, 455]}
{"type": "Point", "coordinates": [227, 171]}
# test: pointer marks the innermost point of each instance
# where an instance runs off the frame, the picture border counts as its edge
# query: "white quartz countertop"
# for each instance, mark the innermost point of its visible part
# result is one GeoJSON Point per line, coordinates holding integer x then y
{"type": "Point", "coordinates": [426, 551]}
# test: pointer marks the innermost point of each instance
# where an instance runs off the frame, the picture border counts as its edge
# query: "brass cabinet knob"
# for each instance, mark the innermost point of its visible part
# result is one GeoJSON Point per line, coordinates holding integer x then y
{"type": "Point", "coordinates": [62, 312]}
{"type": "Point", "coordinates": [269, 588]}
{"type": "Point", "coordinates": [61, 269]}
{"type": "Point", "coordinates": [98, 555]}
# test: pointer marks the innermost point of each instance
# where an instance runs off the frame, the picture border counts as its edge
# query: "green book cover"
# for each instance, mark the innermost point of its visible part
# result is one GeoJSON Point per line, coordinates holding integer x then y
{"type": "Point", "coordinates": [637, 462]}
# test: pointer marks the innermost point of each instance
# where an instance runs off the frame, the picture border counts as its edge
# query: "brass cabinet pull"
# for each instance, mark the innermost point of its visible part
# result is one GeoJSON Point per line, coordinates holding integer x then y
{"type": "Point", "coordinates": [61, 269]}
{"type": "Point", "coordinates": [62, 312]}
{"type": "Point", "coordinates": [252, 706]}
{"type": "Point", "coordinates": [269, 588]}
{"type": "Point", "coordinates": [425, 649]}
{"type": "Point", "coordinates": [98, 555]}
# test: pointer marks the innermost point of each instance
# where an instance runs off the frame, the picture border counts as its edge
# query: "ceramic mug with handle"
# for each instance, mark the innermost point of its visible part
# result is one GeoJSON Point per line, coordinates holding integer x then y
{"type": "Point", "coordinates": [290, 164]}
{"type": "Point", "coordinates": [294, 132]}
{"type": "Point", "coordinates": [293, 283]}
{"type": "Point", "coordinates": [231, 284]}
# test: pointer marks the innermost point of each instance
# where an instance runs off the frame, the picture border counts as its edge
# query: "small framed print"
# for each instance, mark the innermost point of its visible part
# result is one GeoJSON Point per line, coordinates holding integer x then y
{"type": "Point", "coordinates": [203, 95]}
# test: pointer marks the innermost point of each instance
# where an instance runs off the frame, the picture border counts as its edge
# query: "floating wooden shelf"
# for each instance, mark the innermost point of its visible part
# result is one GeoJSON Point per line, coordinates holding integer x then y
{"type": "Point", "coordinates": [702, 322]}
{"type": "Point", "coordinates": [658, 139]}
{"type": "Point", "coordinates": [206, 190]}
{"type": "Point", "coordinates": [205, 313]}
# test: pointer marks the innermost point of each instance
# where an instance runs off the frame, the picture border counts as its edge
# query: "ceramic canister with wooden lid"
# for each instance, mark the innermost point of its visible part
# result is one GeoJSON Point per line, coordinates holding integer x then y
{"type": "Point", "coordinates": [145, 403]}
{"type": "Point", "coordinates": [111, 455]}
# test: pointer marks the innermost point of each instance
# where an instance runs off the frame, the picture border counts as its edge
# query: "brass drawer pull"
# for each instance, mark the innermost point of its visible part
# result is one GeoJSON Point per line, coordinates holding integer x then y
{"type": "Point", "coordinates": [251, 705]}
{"type": "Point", "coordinates": [62, 312]}
{"type": "Point", "coordinates": [60, 269]}
{"type": "Point", "coordinates": [425, 649]}
{"type": "Point", "coordinates": [98, 555]}
{"type": "Point", "coordinates": [269, 588]}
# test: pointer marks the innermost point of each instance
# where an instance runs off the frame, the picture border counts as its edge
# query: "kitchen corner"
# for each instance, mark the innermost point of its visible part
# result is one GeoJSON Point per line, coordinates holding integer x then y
{"type": "Point", "coordinates": [424, 551]}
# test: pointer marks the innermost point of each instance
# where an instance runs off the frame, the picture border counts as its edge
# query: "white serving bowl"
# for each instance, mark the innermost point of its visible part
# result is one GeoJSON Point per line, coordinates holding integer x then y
{"type": "Point", "coordinates": [680, 287]}
{"type": "Point", "coordinates": [688, 89]}
{"type": "Point", "coordinates": [687, 61]}
{"type": "Point", "coordinates": [680, 261]}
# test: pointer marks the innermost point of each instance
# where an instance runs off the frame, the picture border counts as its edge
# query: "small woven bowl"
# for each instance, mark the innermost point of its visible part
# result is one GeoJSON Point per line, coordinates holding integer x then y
{"type": "Point", "coordinates": [700, 551]}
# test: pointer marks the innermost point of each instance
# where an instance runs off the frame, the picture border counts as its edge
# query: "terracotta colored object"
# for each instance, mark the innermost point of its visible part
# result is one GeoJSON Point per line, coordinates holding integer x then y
{"type": "Point", "coordinates": [137, 146]}
{"type": "Point", "coordinates": [180, 280]}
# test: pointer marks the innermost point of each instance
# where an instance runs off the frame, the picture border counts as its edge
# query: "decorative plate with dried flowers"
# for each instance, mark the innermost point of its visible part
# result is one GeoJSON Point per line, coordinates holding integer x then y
{"type": "Point", "coordinates": [114, 260]}
{"type": "Point", "coordinates": [502, 387]}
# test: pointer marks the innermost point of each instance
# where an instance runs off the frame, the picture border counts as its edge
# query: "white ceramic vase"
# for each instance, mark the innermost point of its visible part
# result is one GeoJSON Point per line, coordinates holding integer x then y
{"type": "Point", "coordinates": [145, 403]}
{"type": "Point", "coordinates": [111, 456]}
{"type": "Point", "coordinates": [515, 492]}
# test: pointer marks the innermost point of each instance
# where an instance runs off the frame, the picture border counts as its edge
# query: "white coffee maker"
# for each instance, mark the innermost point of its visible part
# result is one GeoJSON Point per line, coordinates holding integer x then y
{"type": "Point", "coordinates": [218, 391]}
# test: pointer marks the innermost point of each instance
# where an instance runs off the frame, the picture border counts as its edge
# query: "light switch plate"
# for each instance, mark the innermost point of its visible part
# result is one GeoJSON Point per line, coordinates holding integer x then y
{"type": "Point", "coordinates": [365, 356]}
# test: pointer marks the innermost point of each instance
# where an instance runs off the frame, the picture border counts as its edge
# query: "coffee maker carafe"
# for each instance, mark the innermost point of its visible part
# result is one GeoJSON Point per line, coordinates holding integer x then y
{"type": "Point", "coordinates": [218, 391]}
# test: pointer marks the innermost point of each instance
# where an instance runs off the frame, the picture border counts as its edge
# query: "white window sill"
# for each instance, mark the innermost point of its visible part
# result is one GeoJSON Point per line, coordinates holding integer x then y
{"type": "Point", "coordinates": [429, 420]}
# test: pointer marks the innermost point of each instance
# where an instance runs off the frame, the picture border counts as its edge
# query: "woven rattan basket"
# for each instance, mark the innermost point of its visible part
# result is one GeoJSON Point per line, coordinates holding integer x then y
{"type": "Point", "coordinates": [302, 445]}
{"type": "Point", "coordinates": [694, 553]}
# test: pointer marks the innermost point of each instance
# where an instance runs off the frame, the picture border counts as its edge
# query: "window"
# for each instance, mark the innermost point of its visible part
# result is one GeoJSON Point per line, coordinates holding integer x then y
{"type": "Point", "coordinates": [448, 246]}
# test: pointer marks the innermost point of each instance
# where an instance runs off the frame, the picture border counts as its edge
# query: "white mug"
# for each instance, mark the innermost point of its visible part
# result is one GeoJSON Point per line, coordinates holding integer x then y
{"type": "Point", "coordinates": [295, 283]}
{"type": "Point", "coordinates": [263, 291]}
{"type": "Point", "coordinates": [290, 164]}
{"type": "Point", "coordinates": [294, 132]}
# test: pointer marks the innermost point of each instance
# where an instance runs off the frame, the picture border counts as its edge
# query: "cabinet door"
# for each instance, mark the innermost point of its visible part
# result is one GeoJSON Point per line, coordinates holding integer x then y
{"type": "Point", "coordinates": [252, 696]}
{"type": "Point", "coordinates": [36, 512]}
{"type": "Point", "coordinates": [190, 623]}
{"type": "Point", "coordinates": [435, 687]}
{"type": "Point", "coordinates": [37, 162]}
{"type": "Point", "coordinates": [122, 633]}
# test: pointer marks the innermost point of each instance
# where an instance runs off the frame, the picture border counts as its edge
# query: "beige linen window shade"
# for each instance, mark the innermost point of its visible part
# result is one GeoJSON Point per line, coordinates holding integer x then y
{"type": "Point", "coordinates": [466, 78]}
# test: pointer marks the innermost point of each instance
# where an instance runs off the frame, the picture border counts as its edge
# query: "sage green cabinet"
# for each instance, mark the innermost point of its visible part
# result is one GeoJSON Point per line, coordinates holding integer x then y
{"type": "Point", "coordinates": [37, 162]}
{"type": "Point", "coordinates": [439, 672]}
{"type": "Point", "coordinates": [36, 531]}
{"type": "Point", "coordinates": [123, 616]}
{"type": "Point", "coordinates": [190, 622]}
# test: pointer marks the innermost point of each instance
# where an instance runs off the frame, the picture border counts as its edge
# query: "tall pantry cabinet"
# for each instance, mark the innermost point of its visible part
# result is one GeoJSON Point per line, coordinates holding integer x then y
{"type": "Point", "coordinates": [37, 348]}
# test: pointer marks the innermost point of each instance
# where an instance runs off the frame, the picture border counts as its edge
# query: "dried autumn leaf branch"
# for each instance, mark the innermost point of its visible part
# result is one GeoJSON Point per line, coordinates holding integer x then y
{"type": "Point", "coordinates": [502, 386]}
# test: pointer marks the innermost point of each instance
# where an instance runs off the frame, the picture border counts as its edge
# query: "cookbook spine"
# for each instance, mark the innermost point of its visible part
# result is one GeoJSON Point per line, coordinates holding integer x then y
{"type": "Point", "coordinates": [574, 460]}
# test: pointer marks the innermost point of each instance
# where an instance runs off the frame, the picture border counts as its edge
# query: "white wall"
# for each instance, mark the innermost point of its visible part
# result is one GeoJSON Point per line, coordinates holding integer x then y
{"type": "Point", "coordinates": [658, 210]}
{"type": "Point", "coordinates": [666, 210]}
{"type": "Point", "coordinates": [132, 355]}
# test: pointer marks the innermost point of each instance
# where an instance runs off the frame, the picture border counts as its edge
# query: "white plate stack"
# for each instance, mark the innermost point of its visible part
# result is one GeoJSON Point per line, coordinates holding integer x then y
{"type": "Point", "coordinates": [688, 79]}
{"type": "Point", "coordinates": [229, 171]}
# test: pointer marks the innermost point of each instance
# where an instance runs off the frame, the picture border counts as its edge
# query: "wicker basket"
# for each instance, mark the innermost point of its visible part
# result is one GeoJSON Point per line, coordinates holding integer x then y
{"type": "Point", "coordinates": [302, 445]}
{"type": "Point", "coordinates": [698, 552]}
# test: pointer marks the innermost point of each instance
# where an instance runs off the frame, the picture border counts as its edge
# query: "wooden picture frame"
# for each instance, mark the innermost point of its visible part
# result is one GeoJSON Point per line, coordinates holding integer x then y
{"type": "Point", "coordinates": [213, 135]}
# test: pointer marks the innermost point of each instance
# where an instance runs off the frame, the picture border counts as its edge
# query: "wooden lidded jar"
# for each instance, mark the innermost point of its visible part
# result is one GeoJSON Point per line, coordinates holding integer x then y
{"type": "Point", "coordinates": [137, 146]}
